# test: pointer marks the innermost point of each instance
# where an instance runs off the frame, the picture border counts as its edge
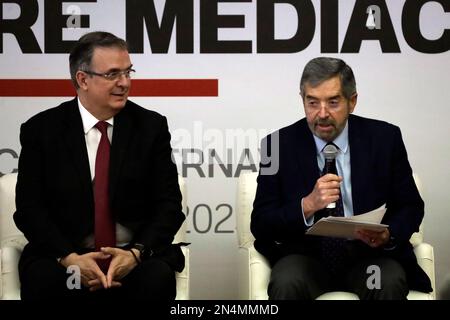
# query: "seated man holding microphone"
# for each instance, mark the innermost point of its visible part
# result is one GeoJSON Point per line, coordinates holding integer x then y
{"type": "Point", "coordinates": [368, 167]}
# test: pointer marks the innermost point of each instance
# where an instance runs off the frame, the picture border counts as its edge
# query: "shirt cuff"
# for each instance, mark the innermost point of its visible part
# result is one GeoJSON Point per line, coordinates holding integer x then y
{"type": "Point", "coordinates": [308, 222]}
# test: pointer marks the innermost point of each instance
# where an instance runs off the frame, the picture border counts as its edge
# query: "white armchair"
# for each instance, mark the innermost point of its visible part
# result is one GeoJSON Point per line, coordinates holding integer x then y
{"type": "Point", "coordinates": [13, 241]}
{"type": "Point", "coordinates": [254, 269]}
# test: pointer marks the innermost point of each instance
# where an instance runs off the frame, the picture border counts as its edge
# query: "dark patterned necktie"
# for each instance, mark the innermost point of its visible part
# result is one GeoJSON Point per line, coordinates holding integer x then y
{"type": "Point", "coordinates": [105, 229]}
{"type": "Point", "coordinates": [332, 249]}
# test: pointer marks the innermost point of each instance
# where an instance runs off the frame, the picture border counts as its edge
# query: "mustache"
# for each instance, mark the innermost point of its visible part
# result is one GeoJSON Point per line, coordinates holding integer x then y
{"type": "Point", "coordinates": [326, 122]}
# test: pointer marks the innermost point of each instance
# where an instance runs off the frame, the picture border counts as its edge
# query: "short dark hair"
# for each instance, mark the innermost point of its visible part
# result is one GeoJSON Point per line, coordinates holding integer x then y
{"type": "Point", "coordinates": [323, 68]}
{"type": "Point", "coordinates": [81, 54]}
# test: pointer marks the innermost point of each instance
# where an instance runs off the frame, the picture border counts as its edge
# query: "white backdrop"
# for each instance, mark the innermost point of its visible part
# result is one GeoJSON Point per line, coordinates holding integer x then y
{"type": "Point", "coordinates": [258, 92]}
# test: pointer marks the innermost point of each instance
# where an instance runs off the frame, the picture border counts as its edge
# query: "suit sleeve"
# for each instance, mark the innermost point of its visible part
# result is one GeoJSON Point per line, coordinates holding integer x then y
{"type": "Point", "coordinates": [32, 214]}
{"type": "Point", "coordinates": [158, 232]}
{"type": "Point", "coordinates": [405, 207]}
{"type": "Point", "coordinates": [276, 215]}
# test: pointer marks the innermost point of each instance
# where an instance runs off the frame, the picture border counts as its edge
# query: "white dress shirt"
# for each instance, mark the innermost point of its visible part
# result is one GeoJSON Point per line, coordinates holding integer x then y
{"type": "Point", "coordinates": [92, 136]}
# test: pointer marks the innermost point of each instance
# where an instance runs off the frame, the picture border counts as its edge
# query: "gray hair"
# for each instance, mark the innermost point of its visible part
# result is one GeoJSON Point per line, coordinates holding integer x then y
{"type": "Point", "coordinates": [321, 69]}
{"type": "Point", "coordinates": [81, 54]}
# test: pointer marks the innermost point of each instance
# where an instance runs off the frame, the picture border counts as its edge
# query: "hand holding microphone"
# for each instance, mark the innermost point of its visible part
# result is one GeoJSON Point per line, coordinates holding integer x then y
{"type": "Point", "coordinates": [327, 188]}
{"type": "Point", "coordinates": [330, 152]}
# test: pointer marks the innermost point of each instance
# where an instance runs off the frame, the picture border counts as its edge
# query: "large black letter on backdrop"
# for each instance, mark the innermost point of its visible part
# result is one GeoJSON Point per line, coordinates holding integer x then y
{"type": "Point", "coordinates": [329, 26]}
{"type": "Point", "coordinates": [55, 22]}
{"type": "Point", "coordinates": [21, 27]}
{"type": "Point", "coordinates": [357, 30]}
{"type": "Point", "coordinates": [159, 35]}
{"type": "Point", "coordinates": [411, 28]}
{"type": "Point", "coordinates": [266, 41]}
{"type": "Point", "coordinates": [210, 21]}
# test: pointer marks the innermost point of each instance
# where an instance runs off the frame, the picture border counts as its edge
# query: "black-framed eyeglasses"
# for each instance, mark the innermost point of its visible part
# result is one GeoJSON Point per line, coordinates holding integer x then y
{"type": "Point", "coordinates": [113, 75]}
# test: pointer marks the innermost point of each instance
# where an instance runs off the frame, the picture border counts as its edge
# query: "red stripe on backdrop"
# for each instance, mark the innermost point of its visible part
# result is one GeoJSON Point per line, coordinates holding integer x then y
{"type": "Point", "coordinates": [139, 88]}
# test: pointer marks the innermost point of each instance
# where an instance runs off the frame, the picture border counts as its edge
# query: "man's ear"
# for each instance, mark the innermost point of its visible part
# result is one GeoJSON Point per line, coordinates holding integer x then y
{"type": "Point", "coordinates": [352, 102]}
{"type": "Point", "coordinates": [81, 79]}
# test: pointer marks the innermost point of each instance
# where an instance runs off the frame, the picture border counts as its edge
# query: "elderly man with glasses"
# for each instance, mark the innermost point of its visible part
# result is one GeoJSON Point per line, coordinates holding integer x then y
{"type": "Point", "coordinates": [97, 191]}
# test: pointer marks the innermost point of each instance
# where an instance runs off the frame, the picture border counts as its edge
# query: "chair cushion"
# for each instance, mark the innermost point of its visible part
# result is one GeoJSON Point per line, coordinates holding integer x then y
{"type": "Point", "coordinates": [338, 295]}
{"type": "Point", "coordinates": [8, 206]}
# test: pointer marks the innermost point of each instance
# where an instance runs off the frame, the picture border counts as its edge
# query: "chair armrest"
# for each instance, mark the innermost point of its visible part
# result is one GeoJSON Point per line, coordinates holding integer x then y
{"type": "Point", "coordinates": [425, 258]}
{"type": "Point", "coordinates": [1, 276]}
{"type": "Point", "coordinates": [10, 256]}
{"type": "Point", "coordinates": [417, 295]}
{"type": "Point", "coordinates": [182, 278]}
{"type": "Point", "coordinates": [254, 274]}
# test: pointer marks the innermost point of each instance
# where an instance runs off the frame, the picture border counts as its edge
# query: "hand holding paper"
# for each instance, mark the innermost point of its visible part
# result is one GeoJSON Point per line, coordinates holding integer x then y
{"type": "Point", "coordinates": [347, 227]}
{"type": "Point", "coordinates": [373, 238]}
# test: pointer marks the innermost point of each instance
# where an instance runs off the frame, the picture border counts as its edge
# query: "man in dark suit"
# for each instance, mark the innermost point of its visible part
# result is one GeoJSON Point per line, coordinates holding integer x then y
{"type": "Point", "coordinates": [98, 163]}
{"type": "Point", "coordinates": [372, 170]}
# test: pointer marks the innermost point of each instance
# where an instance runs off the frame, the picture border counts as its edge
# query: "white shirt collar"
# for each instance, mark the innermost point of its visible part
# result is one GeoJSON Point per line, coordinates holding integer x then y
{"type": "Point", "coordinates": [89, 121]}
{"type": "Point", "coordinates": [341, 141]}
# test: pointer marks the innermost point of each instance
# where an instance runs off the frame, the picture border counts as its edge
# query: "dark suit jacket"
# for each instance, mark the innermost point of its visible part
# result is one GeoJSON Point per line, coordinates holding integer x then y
{"type": "Point", "coordinates": [54, 194]}
{"type": "Point", "coordinates": [380, 173]}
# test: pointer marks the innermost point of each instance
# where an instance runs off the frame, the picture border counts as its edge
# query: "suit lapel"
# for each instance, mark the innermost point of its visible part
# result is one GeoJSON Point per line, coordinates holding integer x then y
{"type": "Point", "coordinates": [120, 141]}
{"type": "Point", "coordinates": [359, 163]}
{"type": "Point", "coordinates": [306, 154]}
{"type": "Point", "coordinates": [75, 143]}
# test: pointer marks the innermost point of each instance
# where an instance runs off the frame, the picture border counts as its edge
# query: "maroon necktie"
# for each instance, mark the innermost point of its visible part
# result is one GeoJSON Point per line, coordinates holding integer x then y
{"type": "Point", "coordinates": [105, 229]}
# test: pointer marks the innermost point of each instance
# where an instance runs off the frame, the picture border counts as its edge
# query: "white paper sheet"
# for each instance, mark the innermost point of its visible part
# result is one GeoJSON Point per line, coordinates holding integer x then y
{"type": "Point", "coordinates": [346, 227]}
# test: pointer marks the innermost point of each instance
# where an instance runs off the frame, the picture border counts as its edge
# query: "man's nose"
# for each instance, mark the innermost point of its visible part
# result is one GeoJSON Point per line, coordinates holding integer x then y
{"type": "Point", "coordinates": [124, 80]}
{"type": "Point", "coordinates": [323, 112]}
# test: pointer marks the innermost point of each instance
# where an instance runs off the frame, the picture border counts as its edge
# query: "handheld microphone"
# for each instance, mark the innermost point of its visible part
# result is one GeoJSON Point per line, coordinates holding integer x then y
{"type": "Point", "coordinates": [330, 152]}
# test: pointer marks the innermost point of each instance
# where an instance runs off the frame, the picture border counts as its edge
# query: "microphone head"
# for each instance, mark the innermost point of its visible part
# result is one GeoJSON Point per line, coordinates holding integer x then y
{"type": "Point", "coordinates": [330, 152]}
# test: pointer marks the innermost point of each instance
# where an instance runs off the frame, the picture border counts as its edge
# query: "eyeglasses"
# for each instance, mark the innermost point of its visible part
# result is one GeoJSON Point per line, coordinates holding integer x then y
{"type": "Point", "coordinates": [113, 75]}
